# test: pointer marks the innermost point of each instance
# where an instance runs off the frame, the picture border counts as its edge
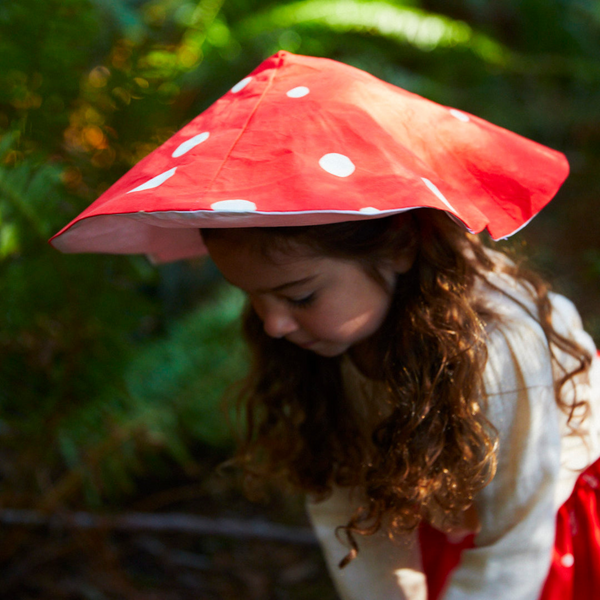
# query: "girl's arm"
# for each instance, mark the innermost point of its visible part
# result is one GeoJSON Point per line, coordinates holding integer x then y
{"type": "Point", "coordinates": [517, 509]}
{"type": "Point", "coordinates": [384, 570]}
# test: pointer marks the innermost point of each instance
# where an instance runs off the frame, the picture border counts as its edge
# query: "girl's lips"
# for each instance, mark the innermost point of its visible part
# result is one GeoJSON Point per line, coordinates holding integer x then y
{"type": "Point", "coordinates": [305, 345]}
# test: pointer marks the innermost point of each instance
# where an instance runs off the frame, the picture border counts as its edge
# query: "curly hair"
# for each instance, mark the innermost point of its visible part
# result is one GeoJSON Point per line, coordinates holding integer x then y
{"type": "Point", "coordinates": [434, 442]}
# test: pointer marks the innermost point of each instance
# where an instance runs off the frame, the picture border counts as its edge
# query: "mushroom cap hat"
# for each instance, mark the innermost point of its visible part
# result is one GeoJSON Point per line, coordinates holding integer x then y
{"type": "Point", "coordinates": [308, 141]}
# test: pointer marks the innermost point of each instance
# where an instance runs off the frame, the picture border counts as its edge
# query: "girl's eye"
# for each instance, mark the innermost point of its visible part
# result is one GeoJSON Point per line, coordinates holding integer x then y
{"type": "Point", "coordinates": [302, 302]}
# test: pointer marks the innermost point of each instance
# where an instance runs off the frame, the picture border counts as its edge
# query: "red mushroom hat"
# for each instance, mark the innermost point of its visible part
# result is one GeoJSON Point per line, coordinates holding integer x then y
{"type": "Point", "coordinates": [306, 141]}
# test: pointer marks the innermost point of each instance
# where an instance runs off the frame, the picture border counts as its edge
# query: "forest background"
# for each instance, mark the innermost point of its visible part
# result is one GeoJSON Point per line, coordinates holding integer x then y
{"type": "Point", "coordinates": [111, 369]}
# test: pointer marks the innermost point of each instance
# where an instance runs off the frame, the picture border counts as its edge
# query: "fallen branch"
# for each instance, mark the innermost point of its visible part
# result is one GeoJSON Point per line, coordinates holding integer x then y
{"type": "Point", "coordinates": [164, 522]}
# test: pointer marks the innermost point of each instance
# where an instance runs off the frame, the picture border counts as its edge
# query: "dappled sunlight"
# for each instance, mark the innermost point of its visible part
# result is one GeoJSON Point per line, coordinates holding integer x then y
{"type": "Point", "coordinates": [425, 31]}
{"type": "Point", "coordinates": [357, 323]}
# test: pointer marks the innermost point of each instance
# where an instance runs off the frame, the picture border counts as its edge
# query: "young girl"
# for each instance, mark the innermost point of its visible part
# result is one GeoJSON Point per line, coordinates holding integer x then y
{"type": "Point", "coordinates": [404, 373]}
{"type": "Point", "coordinates": [437, 405]}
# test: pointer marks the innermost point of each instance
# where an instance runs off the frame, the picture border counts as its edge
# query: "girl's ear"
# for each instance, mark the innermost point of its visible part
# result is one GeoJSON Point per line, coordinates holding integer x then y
{"type": "Point", "coordinates": [398, 265]}
{"type": "Point", "coordinates": [405, 260]}
{"type": "Point", "coordinates": [405, 227]}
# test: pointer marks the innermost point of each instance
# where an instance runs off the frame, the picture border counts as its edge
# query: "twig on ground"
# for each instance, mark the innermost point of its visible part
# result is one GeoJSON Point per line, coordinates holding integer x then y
{"type": "Point", "coordinates": [164, 522]}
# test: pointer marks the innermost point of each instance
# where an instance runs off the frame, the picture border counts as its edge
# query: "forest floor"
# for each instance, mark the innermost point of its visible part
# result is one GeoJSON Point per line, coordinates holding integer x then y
{"type": "Point", "coordinates": [58, 561]}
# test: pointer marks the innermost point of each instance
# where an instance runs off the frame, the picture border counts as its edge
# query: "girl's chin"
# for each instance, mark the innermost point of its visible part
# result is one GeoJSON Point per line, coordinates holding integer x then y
{"type": "Point", "coordinates": [325, 349]}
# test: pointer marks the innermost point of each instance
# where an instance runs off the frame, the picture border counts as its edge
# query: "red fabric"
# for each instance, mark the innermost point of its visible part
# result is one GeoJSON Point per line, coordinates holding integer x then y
{"type": "Point", "coordinates": [305, 141]}
{"type": "Point", "coordinates": [575, 570]}
{"type": "Point", "coordinates": [440, 557]}
{"type": "Point", "coordinates": [577, 536]}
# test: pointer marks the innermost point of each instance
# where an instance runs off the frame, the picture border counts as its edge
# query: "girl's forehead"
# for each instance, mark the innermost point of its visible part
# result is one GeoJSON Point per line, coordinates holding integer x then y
{"type": "Point", "coordinates": [258, 244]}
{"type": "Point", "coordinates": [247, 267]}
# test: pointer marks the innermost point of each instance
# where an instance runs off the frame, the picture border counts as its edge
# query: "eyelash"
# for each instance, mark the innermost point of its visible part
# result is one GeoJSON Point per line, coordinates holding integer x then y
{"type": "Point", "coordinates": [302, 302]}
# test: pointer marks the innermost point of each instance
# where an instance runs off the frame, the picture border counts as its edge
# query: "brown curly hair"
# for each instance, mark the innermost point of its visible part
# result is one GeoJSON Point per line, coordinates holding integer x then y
{"type": "Point", "coordinates": [434, 442]}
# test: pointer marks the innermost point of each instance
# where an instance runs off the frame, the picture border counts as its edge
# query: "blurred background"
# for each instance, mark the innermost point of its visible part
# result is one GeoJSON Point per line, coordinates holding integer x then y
{"type": "Point", "coordinates": [111, 369]}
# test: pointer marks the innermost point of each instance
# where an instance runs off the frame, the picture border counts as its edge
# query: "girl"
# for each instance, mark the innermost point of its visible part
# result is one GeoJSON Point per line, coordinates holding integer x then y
{"type": "Point", "coordinates": [433, 400]}
{"type": "Point", "coordinates": [403, 374]}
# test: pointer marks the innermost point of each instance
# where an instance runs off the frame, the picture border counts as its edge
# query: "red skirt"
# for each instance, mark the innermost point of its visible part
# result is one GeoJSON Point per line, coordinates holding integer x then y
{"type": "Point", "coordinates": [575, 570]}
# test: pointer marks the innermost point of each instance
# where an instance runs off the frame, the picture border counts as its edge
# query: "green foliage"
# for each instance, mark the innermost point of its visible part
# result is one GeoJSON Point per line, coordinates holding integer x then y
{"type": "Point", "coordinates": [401, 24]}
{"type": "Point", "coordinates": [108, 363]}
{"type": "Point", "coordinates": [170, 396]}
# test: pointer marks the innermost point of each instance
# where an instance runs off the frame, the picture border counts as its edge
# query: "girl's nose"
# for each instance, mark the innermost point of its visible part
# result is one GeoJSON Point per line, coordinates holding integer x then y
{"type": "Point", "coordinates": [277, 322]}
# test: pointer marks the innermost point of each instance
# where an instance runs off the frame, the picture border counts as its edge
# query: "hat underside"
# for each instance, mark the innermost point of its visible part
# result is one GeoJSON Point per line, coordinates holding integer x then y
{"type": "Point", "coordinates": [173, 235]}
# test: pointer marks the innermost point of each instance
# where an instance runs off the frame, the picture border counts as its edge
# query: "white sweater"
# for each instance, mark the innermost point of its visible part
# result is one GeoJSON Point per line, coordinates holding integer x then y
{"type": "Point", "coordinates": [538, 464]}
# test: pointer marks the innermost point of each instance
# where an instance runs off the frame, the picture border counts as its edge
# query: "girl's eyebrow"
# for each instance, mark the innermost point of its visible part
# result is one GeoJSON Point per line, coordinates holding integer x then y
{"type": "Point", "coordinates": [284, 286]}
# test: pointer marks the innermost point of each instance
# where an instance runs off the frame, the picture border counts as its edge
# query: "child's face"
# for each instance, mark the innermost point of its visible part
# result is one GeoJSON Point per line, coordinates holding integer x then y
{"type": "Point", "coordinates": [325, 305]}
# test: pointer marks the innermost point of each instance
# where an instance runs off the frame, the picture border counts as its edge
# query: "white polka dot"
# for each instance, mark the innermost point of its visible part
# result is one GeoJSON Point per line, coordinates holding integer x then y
{"type": "Point", "coordinates": [567, 560]}
{"type": "Point", "coordinates": [369, 210]}
{"type": "Point", "coordinates": [155, 181]}
{"type": "Point", "coordinates": [298, 92]}
{"type": "Point", "coordinates": [439, 194]}
{"type": "Point", "coordinates": [337, 164]}
{"type": "Point", "coordinates": [459, 115]}
{"type": "Point", "coordinates": [189, 144]}
{"type": "Point", "coordinates": [234, 206]}
{"type": "Point", "coordinates": [241, 85]}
